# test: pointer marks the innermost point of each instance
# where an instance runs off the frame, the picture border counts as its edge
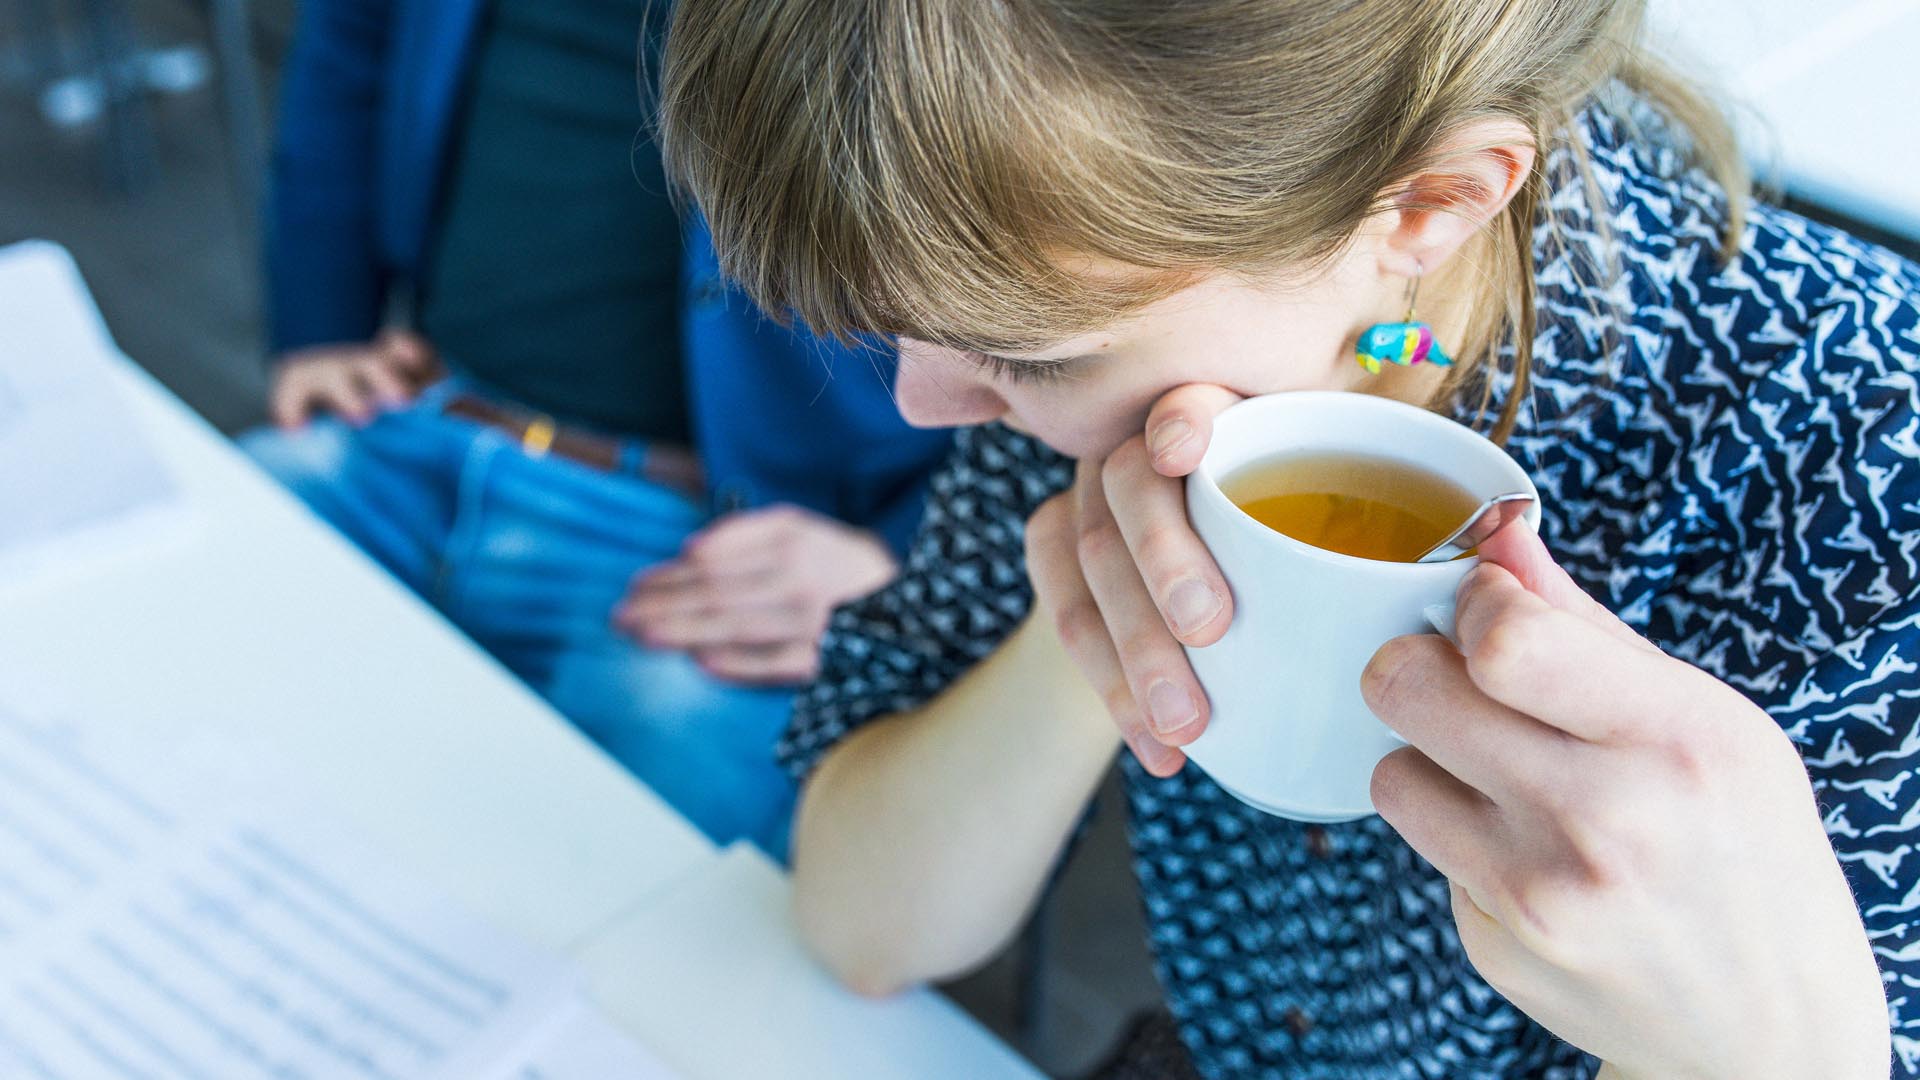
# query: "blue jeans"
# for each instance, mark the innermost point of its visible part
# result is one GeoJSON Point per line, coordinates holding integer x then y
{"type": "Point", "coordinates": [528, 556]}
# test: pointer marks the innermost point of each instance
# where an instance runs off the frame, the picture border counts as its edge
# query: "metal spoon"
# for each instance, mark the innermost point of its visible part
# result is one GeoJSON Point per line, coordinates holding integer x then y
{"type": "Point", "coordinates": [1490, 518]}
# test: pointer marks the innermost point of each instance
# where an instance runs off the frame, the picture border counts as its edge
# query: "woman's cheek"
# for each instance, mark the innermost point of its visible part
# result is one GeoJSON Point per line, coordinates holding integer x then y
{"type": "Point", "coordinates": [1080, 425]}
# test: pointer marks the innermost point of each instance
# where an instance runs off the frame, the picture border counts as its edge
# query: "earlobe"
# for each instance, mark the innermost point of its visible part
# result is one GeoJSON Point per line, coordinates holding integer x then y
{"type": "Point", "coordinates": [1475, 175]}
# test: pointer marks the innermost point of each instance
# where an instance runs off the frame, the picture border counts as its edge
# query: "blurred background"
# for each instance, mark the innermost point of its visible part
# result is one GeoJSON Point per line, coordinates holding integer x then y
{"type": "Point", "coordinates": [134, 132]}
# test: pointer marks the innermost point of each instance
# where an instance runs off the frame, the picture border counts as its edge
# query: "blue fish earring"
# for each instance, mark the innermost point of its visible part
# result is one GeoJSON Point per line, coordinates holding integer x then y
{"type": "Point", "coordinates": [1405, 343]}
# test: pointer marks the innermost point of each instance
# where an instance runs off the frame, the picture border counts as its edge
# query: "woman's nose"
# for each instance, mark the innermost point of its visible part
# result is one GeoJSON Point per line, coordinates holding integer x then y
{"type": "Point", "coordinates": [942, 387]}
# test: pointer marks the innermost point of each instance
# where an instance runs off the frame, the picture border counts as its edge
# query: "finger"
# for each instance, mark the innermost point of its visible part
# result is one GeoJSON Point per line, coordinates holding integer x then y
{"type": "Point", "coordinates": [743, 536]}
{"type": "Point", "coordinates": [677, 575]}
{"type": "Point", "coordinates": [694, 627]}
{"type": "Point", "coordinates": [695, 592]}
{"type": "Point", "coordinates": [1156, 670]}
{"type": "Point", "coordinates": [1450, 824]}
{"type": "Point", "coordinates": [1494, 951]}
{"type": "Point", "coordinates": [1189, 593]}
{"type": "Point", "coordinates": [661, 593]}
{"type": "Point", "coordinates": [785, 664]}
{"type": "Point", "coordinates": [1519, 549]}
{"type": "Point", "coordinates": [1063, 594]}
{"type": "Point", "coordinates": [1181, 424]}
{"type": "Point", "coordinates": [1562, 668]}
{"type": "Point", "coordinates": [1419, 687]}
{"type": "Point", "coordinates": [291, 404]}
{"type": "Point", "coordinates": [407, 350]}
{"type": "Point", "coordinates": [342, 394]}
{"type": "Point", "coordinates": [663, 577]}
{"type": "Point", "coordinates": [383, 384]}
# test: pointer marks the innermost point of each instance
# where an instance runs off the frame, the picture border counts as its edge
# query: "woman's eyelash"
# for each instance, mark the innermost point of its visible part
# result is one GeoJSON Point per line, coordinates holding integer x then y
{"type": "Point", "coordinates": [1015, 371]}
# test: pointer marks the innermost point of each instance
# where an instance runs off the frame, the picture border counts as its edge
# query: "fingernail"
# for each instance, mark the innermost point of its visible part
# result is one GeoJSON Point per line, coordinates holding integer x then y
{"type": "Point", "coordinates": [1169, 707]}
{"type": "Point", "coordinates": [1192, 605]}
{"type": "Point", "coordinates": [1168, 437]}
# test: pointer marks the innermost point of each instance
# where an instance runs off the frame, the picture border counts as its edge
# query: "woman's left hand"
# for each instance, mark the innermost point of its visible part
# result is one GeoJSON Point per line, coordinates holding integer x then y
{"type": "Point", "coordinates": [750, 595]}
{"type": "Point", "coordinates": [1636, 858]}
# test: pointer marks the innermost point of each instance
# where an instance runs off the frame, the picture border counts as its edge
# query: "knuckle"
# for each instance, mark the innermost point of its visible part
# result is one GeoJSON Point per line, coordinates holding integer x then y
{"type": "Point", "coordinates": [1694, 753]}
{"type": "Point", "coordinates": [1099, 544]}
{"type": "Point", "coordinates": [1544, 912]}
{"type": "Point", "coordinates": [1126, 462]}
{"type": "Point", "coordinates": [1389, 781]}
{"type": "Point", "coordinates": [1145, 646]}
{"type": "Point", "coordinates": [1120, 707]}
{"type": "Point", "coordinates": [1705, 747]}
{"type": "Point", "coordinates": [1509, 654]}
{"type": "Point", "coordinates": [1079, 626]}
{"type": "Point", "coordinates": [1392, 676]}
{"type": "Point", "coordinates": [1612, 841]}
{"type": "Point", "coordinates": [1163, 546]}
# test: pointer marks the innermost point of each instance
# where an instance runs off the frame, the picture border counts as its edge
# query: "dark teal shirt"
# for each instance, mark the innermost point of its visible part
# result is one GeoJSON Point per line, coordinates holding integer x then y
{"type": "Point", "coordinates": [554, 273]}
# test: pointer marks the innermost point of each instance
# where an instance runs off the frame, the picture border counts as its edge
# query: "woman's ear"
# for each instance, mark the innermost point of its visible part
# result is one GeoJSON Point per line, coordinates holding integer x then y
{"type": "Point", "coordinates": [1476, 172]}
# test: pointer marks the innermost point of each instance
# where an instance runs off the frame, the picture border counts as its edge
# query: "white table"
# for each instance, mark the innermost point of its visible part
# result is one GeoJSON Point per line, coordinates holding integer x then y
{"type": "Point", "coordinates": [264, 623]}
{"type": "Point", "coordinates": [1828, 91]}
{"type": "Point", "coordinates": [711, 976]}
{"type": "Point", "coordinates": [261, 623]}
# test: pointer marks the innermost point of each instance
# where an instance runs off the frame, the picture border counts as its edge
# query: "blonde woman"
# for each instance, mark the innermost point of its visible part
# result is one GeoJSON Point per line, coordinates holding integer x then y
{"type": "Point", "coordinates": [1092, 224]}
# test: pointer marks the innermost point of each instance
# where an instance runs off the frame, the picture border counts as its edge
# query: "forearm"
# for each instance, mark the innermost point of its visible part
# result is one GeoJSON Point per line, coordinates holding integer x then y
{"type": "Point", "coordinates": [923, 840]}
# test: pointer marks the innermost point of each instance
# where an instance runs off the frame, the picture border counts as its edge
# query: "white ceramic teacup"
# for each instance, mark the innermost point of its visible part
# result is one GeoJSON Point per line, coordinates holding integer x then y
{"type": "Point", "coordinates": [1289, 732]}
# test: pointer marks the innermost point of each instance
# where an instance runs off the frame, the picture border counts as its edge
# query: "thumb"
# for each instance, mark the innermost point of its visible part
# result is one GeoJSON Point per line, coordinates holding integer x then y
{"type": "Point", "coordinates": [1520, 551]}
{"type": "Point", "coordinates": [405, 348]}
{"type": "Point", "coordinates": [1180, 426]}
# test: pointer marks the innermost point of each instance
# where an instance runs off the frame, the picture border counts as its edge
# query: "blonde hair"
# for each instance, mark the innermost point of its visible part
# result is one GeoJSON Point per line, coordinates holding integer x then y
{"type": "Point", "coordinates": [921, 167]}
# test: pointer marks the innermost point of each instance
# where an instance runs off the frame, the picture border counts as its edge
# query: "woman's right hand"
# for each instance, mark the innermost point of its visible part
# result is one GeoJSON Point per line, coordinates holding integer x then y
{"type": "Point", "coordinates": [354, 381]}
{"type": "Point", "coordinates": [1126, 581]}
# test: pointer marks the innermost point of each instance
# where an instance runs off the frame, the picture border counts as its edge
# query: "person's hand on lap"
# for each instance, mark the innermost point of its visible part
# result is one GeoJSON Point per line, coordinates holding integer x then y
{"type": "Point", "coordinates": [354, 381]}
{"type": "Point", "coordinates": [750, 595]}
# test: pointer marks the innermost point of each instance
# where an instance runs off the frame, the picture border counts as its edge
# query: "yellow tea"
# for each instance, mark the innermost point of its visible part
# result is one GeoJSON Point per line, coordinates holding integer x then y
{"type": "Point", "coordinates": [1367, 507]}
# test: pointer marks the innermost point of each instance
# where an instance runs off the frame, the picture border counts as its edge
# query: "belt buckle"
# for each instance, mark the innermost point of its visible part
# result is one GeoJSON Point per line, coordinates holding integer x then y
{"type": "Point", "coordinates": [538, 438]}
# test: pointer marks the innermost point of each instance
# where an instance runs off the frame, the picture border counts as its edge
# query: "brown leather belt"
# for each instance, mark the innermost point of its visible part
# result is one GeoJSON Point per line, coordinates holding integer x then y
{"type": "Point", "coordinates": [539, 434]}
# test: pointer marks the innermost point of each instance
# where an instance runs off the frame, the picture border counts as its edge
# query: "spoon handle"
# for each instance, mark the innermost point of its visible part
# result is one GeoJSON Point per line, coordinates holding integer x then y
{"type": "Point", "coordinates": [1490, 518]}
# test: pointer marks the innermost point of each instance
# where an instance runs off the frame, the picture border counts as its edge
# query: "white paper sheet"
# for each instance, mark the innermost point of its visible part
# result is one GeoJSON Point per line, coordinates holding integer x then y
{"type": "Point", "coordinates": [582, 1045]}
{"type": "Point", "coordinates": [78, 481]}
{"type": "Point", "coordinates": [179, 913]}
